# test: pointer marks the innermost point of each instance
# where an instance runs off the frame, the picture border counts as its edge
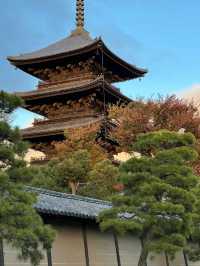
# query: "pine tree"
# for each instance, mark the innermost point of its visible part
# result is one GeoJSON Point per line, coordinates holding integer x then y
{"type": "Point", "coordinates": [158, 202]}
{"type": "Point", "coordinates": [47, 176]}
{"type": "Point", "coordinates": [76, 174]}
{"type": "Point", "coordinates": [101, 181]}
{"type": "Point", "coordinates": [193, 248]}
{"type": "Point", "coordinates": [64, 175]}
{"type": "Point", "coordinates": [20, 225]}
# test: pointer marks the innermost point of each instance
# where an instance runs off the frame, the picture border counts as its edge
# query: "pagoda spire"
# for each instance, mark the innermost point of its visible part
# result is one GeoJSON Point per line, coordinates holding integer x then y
{"type": "Point", "coordinates": [80, 14]}
{"type": "Point", "coordinates": [80, 19]}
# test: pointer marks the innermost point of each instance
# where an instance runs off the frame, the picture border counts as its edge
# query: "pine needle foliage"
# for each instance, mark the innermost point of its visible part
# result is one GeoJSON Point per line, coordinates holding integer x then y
{"type": "Point", "coordinates": [158, 202]}
{"type": "Point", "coordinates": [20, 225]}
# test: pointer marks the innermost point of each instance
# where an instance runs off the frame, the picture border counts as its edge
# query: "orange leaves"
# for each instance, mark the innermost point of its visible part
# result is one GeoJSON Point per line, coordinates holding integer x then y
{"type": "Point", "coordinates": [138, 117]}
{"type": "Point", "coordinates": [82, 138]}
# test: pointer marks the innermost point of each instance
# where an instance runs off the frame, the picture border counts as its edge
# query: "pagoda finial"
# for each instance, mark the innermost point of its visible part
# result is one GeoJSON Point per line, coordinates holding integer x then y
{"type": "Point", "coordinates": [80, 19]}
{"type": "Point", "coordinates": [80, 14]}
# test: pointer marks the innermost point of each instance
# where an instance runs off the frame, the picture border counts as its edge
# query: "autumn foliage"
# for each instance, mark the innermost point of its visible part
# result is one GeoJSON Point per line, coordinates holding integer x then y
{"type": "Point", "coordinates": [169, 113]}
{"type": "Point", "coordinates": [82, 138]}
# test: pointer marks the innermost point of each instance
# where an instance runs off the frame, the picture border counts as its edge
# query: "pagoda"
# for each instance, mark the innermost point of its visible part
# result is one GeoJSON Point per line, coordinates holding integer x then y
{"type": "Point", "coordinates": [75, 83]}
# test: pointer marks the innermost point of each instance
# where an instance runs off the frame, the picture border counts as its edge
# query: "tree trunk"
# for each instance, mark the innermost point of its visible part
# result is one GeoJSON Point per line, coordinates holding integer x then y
{"type": "Point", "coordinates": [74, 186]}
{"type": "Point", "coordinates": [143, 257]}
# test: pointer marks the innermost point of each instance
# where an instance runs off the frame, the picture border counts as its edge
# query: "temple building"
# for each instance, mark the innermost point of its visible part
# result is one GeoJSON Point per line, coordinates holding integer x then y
{"type": "Point", "coordinates": [76, 77]}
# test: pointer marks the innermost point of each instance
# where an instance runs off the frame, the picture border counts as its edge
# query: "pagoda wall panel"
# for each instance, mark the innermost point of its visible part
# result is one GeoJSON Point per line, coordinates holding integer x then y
{"type": "Point", "coordinates": [65, 107]}
{"type": "Point", "coordinates": [80, 70]}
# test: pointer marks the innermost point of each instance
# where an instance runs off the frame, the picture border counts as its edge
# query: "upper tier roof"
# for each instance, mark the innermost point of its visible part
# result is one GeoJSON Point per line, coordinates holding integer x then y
{"type": "Point", "coordinates": [80, 47]}
{"type": "Point", "coordinates": [66, 45]}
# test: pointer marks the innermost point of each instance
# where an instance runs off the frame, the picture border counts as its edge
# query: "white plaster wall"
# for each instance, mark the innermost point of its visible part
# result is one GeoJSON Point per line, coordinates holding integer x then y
{"type": "Point", "coordinates": [68, 250]}
{"type": "Point", "coordinates": [178, 261]}
{"type": "Point", "coordinates": [129, 250]}
{"type": "Point", "coordinates": [68, 247]}
{"type": "Point", "coordinates": [194, 263]}
{"type": "Point", "coordinates": [101, 248]}
{"type": "Point", "coordinates": [156, 260]}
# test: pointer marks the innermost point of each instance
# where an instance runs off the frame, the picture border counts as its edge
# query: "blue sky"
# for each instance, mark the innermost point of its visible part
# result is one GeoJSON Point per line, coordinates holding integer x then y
{"type": "Point", "coordinates": [160, 35]}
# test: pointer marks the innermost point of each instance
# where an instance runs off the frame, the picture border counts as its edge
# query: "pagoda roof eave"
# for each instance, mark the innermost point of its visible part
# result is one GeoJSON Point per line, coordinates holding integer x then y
{"type": "Point", "coordinates": [94, 85]}
{"type": "Point", "coordinates": [23, 62]}
{"type": "Point", "coordinates": [58, 128]}
{"type": "Point", "coordinates": [140, 72]}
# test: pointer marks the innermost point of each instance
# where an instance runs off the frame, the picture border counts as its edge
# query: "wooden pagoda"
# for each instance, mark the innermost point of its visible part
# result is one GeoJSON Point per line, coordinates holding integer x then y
{"type": "Point", "coordinates": [75, 87]}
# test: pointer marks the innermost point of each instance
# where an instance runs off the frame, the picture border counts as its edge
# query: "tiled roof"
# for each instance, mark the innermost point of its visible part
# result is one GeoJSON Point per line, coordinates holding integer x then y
{"type": "Point", "coordinates": [61, 204]}
{"type": "Point", "coordinates": [64, 90]}
{"type": "Point", "coordinates": [58, 127]}
{"type": "Point", "coordinates": [66, 45]}
{"type": "Point", "coordinates": [76, 45]}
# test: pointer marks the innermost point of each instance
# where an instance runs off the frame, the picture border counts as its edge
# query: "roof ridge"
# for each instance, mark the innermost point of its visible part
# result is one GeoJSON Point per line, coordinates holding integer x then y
{"type": "Point", "coordinates": [65, 195]}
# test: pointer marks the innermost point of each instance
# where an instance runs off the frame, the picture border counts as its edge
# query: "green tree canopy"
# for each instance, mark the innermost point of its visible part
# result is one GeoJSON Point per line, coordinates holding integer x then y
{"type": "Point", "coordinates": [77, 174]}
{"type": "Point", "coordinates": [20, 225]}
{"type": "Point", "coordinates": [158, 202]}
{"type": "Point", "coordinates": [101, 181]}
{"type": "Point", "coordinates": [63, 175]}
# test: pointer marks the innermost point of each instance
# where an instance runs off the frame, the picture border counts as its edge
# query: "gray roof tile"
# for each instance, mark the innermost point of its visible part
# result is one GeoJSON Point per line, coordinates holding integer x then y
{"type": "Point", "coordinates": [59, 127]}
{"type": "Point", "coordinates": [66, 45]}
{"type": "Point", "coordinates": [61, 204]}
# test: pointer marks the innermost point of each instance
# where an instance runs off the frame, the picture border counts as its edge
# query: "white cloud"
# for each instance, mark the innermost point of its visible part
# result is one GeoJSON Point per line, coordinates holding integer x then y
{"type": "Point", "coordinates": [192, 94]}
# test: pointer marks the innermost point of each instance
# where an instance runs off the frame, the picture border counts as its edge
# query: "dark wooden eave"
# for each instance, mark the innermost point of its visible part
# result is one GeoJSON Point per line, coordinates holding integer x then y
{"type": "Point", "coordinates": [57, 128]}
{"type": "Point", "coordinates": [37, 96]}
{"type": "Point", "coordinates": [76, 47]}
